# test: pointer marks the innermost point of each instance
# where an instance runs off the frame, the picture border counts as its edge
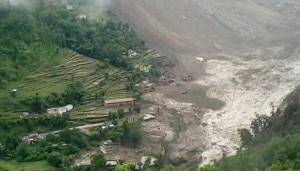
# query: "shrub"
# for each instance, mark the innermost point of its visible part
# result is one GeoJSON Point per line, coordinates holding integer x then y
{"type": "Point", "coordinates": [55, 159]}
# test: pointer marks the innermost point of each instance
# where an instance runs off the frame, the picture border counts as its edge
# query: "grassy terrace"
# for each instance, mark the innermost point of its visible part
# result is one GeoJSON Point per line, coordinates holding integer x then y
{"type": "Point", "coordinates": [32, 166]}
{"type": "Point", "coordinates": [74, 67]}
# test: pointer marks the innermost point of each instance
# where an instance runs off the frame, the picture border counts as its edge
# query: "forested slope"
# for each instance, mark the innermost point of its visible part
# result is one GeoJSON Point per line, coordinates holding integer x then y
{"type": "Point", "coordinates": [31, 38]}
{"type": "Point", "coordinates": [51, 58]}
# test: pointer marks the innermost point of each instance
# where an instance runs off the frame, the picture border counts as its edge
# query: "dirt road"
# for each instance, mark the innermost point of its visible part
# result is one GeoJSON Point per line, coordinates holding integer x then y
{"type": "Point", "coordinates": [78, 127]}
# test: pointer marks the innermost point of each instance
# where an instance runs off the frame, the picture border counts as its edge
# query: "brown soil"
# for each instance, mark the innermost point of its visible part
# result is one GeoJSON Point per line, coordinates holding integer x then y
{"type": "Point", "coordinates": [191, 93]}
{"type": "Point", "coordinates": [249, 51]}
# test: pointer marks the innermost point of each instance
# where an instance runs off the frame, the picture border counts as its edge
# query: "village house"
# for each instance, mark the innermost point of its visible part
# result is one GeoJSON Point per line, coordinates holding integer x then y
{"type": "Point", "coordinates": [81, 17]}
{"type": "Point", "coordinates": [111, 163]}
{"type": "Point", "coordinates": [153, 110]}
{"type": "Point", "coordinates": [59, 110]}
{"type": "Point", "coordinates": [25, 114]}
{"type": "Point", "coordinates": [108, 126]}
{"type": "Point", "coordinates": [28, 115]}
{"type": "Point", "coordinates": [144, 159]}
{"type": "Point", "coordinates": [187, 78]}
{"type": "Point", "coordinates": [165, 81]}
{"type": "Point", "coordinates": [119, 102]}
{"type": "Point", "coordinates": [151, 113]}
{"type": "Point", "coordinates": [14, 92]}
{"type": "Point", "coordinates": [69, 7]}
{"type": "Point", "coordinates": [146, 86]}
{"type": "Point", "coordinates": [32, 138]}
{"type": "Point", "coordinates": [131, 53]}
{"type": "Point", "coordinates": [148, 117]}
{"type": "Point", "coordinates": [107, 147]}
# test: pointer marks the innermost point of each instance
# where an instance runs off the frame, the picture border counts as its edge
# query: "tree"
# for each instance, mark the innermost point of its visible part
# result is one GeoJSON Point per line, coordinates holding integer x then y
{"type": "Point", "coordinates": [98, 161]}
{"type": "Point", "coordinates": [22, 152]}
{"type": "Point", "coordinates": [74, 93]}
{"type": "Point", "coordinates": [168, 168]}
{"type": "Point", "coordinates": [259, 124]}
{"type": "Point", "coordinates": [137, 94]}
{"type": "Point", "coordinates": [137, 108]}
{"type": "Point", "coordinates": [70, 149]}
{"type": "Point", "coordinates": [129, 86]}
{"type": "Point", "coordinates": [125, 167]}
{"type": "Point", "coordinates": [131, 133]}
{"type": "Point", "coordinates": [113, 115]}
{"type": "Point", "coordinates": [106, 75]}
{"type": "Point", "coordinates": [208, 168]}
{"type": "Point", "coordinates": [55, 159]}
{"type": "Point", "coordinates": [246, 137]}
{"type": "Point", "coordinates": [121, 113]}
{"type": "Point", "coordinates": [74, 137]}
{"type": "Point", "coordinates": [106, 63]}
{"type": "Point", "coordinates": [37, 104]}
{"type": "Point", "coordinates": [135, 137]}
{"type": "Point", "coordinates": [161, 160]}
{"type": "Point", "coordinates": [54, 99]}
{"type": "Point", "coordinates": [278, 167]}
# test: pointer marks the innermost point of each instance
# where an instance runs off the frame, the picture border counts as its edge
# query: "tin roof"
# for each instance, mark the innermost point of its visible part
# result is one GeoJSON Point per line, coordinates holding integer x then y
{"type": "Point", "coordinates": [119, 100]}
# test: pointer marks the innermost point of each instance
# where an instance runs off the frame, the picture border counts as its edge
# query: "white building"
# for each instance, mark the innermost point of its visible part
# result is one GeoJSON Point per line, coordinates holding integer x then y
{"type": "Point", "coordinates": [81, 17]}
{"type": "Point", "coordinates": [69, 7]}
{"type": "Point", "coordinates": [59, 110]}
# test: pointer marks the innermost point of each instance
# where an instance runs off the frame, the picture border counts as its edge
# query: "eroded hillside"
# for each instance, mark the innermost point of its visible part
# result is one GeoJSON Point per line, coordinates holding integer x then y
{"type": "Point", "coordinates": [249, 53]}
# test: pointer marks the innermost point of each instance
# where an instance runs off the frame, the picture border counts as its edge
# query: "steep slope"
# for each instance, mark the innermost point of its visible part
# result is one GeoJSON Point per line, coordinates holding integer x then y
{"type": "Point", "coordinates": [251, 57]}
{"type": "Point", "coordinates": [193, 26]}
{"type": "Point", "coordinates": [275, 144]}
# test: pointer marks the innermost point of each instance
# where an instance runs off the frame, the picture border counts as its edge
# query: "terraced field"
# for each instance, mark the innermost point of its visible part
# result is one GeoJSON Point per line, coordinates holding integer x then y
{"type": "Point", "coordinates": [76, 67]}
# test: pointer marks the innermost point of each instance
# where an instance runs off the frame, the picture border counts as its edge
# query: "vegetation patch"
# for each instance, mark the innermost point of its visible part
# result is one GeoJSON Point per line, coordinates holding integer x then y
{"type": "Point", "coordinates": [25, 166]}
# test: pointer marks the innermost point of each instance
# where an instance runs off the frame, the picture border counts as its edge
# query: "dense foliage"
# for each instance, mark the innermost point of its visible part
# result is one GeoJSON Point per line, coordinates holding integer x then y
{"type": "Point", "coordinates": [98, 161]}
{"type": "Point", "coordinates": [32, 38]}
{"type": "Point", "coordinates": [67, 142]}
{"type": "Point", "coordinates": [73, 94]}
{"type": "Point", "coordinates": [25, 125]}
{"type": "Point", "coordinates": [128, 134]}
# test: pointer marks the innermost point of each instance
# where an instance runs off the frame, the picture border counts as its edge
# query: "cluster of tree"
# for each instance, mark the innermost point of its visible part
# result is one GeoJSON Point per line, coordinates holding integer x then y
{"type": "Point", "coordinates": [116, 115]}
{"type": "Point", "coordinates": [26, 125]}
{"type": "Point", "coordinates": [283, 122]}
{"type": "Point", "coordinates": [278, 154]}
{"type": "Point", "coordinates": [74, 94]}
{"type": "Point", "coordinates": [128, 134]}
{"type": "Point", "coordinates": [24, 44]}
{"type": "Point", "coordinates": [66, 143]}
{"type": "Point", "coordinates": [30, 36]}
{"type": "Point", "coordinates": [131, 133]}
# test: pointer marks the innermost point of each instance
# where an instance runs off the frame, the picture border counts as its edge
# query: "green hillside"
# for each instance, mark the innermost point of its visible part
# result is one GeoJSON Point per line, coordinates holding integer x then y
{"type": "Point", "coordinates": [52, 58]}
{"type": "Point", "coordinates": [32, 166]}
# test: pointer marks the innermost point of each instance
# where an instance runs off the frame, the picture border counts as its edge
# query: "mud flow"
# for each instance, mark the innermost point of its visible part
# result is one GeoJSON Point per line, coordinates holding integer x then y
{"type": "Point", "coordinates": [243, 56]}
